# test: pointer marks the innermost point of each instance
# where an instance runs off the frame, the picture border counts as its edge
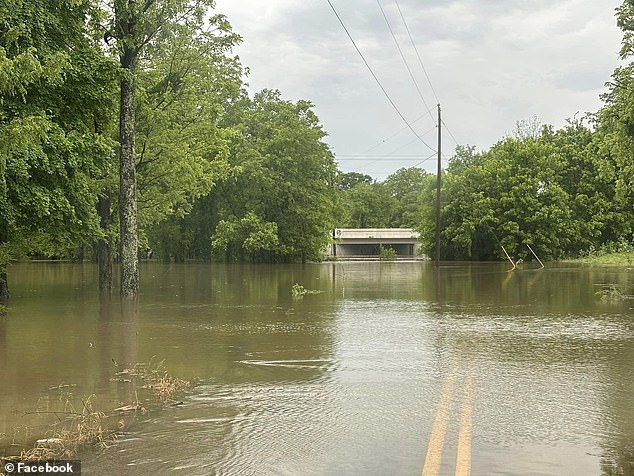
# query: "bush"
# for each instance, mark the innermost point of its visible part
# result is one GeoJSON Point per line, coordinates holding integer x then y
{"type": "Point", "coordinates": [387, 254]}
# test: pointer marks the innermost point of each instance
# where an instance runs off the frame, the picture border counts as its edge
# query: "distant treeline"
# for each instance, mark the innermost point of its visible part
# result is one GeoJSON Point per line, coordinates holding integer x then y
{"type": "Point", "coordinates": [565, 193]}
{"type": "Point", "coordinates": [227, 176]}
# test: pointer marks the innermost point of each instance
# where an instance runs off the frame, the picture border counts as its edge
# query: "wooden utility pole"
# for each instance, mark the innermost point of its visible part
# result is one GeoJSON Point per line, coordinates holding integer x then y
{"type": "Point", "coordinates": [438, 183]}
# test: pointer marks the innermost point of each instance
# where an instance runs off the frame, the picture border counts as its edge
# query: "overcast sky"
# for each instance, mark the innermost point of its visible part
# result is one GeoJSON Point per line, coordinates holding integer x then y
{"type": "Point", "coordinates": [491, 64]}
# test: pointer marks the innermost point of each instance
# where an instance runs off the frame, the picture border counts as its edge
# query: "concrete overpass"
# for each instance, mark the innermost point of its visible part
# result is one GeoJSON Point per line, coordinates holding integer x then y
{"type": "Point", "coordinates": [367, 242]}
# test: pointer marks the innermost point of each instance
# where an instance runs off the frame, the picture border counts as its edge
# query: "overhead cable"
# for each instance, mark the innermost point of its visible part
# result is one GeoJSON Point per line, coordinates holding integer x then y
{"type": "Point", "coordinates": [452, 136]}
{"type": "Point", "coordinates": [420, 61]}
{"type": "Point", "coordinates": [424, 160]}
{"type": "Point", "coordinates": [383, 141]}
{"type": "Point", "coordinates": [392, 154]}
{"type": "Point", "coordinates": [409, 70]}
{"type": "Point", "coordinates": [376, 78]}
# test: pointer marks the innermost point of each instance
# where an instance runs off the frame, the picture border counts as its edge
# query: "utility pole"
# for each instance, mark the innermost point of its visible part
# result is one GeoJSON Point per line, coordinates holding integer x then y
{"type": "Point", "coordinates": [438, 182]}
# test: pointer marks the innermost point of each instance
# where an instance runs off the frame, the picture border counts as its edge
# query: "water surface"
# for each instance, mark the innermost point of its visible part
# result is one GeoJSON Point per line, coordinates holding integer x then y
{"type": "Point", "coordinates": [346, 381]}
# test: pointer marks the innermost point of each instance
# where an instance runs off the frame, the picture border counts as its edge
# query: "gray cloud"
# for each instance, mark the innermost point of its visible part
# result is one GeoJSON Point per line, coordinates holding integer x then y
{"type": "Point", "coordinates": [491, 63]}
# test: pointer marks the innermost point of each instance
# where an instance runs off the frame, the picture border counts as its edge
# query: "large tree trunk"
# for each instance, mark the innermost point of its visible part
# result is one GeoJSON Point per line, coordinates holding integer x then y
{"type": "Point", "coordinates": [127, 183]}
{"type": "Point", "coordinates": [104, 246]}
{"type": "Point", "coordinates": [4, 283]}
{"type": "Point", "coordinates": [4, 287]}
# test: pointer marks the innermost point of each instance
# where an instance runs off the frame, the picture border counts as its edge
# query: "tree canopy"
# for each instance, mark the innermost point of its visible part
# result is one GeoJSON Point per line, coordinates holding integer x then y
{"type": "Point", "coordinates": [55, 92]}
{"type": "Point", "coordinates": [277, 201]}
{"type": "Point", "coordinates": [217, 173]}
{"type": "Point", "coordinates": [544, 191]}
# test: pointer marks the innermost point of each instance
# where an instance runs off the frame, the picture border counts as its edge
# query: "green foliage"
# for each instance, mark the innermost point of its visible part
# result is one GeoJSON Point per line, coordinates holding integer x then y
{"type": "Point", "coordinates": [546, 191]}
{"type": "Point", "coordinates": [246, 238]}
{"type": "Point", "coordinates": [368, 206]}
{"type": "Point", "coordinates": [187, 82]}
{"type": "Point", "coordinates": [405, 187]}
{"type": "Point", "coordinates": [277, 201]}
{"type": "Point", "coordinates": [169, 240]}
{"type": "Point", "coordinates": [566, 193]}
{"type": "Point", "coordinates": [621, 247]}
{"type": "Point", "coordinates": [349, 180]}
{"type": "Point", "coordinates": [393, 203]}
{"type": "Point", "coordinates": [55, 91]}
{"type": "Point", "coordinates": [298, 290]}
{"type": "Point", "coordinates": [252, 178]}
{"type": "Point", "coordinates": [387, 254]}
{"type": "Point", "coordinates": [615, 120]}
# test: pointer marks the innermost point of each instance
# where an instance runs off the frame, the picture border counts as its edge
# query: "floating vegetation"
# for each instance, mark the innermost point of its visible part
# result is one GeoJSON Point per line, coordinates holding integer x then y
{"type": "Point", "coordinates": [300, 291]}
{"type": "Point", "coordinates": [612, 293]}
{"type": "Point", "coordinates": [154, 377]}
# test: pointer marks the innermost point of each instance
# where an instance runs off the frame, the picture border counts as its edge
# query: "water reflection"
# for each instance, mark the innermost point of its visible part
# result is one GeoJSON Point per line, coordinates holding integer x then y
{"type": "Point", "coordinates": [340, 382]}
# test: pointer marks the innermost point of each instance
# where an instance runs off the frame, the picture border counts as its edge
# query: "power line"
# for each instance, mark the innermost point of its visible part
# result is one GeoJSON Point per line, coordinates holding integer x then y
{"type": "Point", "coordinates": [425, 160]}
{"type": "Point", "coordinates": [376, 158]}
{"type": "Point", "coordinates": [409, 70]}
{"type": "Point", "coordinates": [376, 78]}
{"type": "Point", "coordinates": [452, 136]}
{"type": "Point", "coordinates": [362, 156]}
{"type": "Point", "coordinates": [365, 152]}
{"type": "Point", "coordinates": [420, 61]}
{"type": "Point", "coordinates": [383, 141]}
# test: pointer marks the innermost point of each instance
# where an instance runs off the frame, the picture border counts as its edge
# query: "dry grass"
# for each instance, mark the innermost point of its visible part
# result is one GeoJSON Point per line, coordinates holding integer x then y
{"type": "Point", "coordinates": [77, 430]}
{"type": "Point", "coordinates": [72, 433]}
{"type": "Point", "coordinates": [152, 376]}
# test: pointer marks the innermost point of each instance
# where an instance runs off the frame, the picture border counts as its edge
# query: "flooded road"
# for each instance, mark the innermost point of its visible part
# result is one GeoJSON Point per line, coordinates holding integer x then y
{"type": "Point", "coordinates": [392, 368]}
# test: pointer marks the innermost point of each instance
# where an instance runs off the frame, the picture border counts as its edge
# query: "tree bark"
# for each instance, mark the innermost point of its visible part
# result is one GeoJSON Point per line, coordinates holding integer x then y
{"type": "Point", "coordinates": [4, 235]}
{"type": "Point", "coordinates": [4, 287]}
{"type": "Point", "coordinates": [4, 282]}
{"type": "Point", "coordinates": [127, 182]}
{"type": "Point", "coordinates": [104, 246]}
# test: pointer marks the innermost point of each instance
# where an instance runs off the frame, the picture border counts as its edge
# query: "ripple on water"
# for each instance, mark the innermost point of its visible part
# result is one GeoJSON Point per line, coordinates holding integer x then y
{"type": "Point", "coordinates": [539, 382]}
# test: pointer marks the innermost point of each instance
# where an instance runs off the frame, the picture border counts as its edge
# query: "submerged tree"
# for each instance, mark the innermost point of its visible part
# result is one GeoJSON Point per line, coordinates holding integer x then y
{"type": "Point", "coordinates": [283, 173]}
{"type": "Point", "coordinates": [54, 88]}
{"type": "Point", "coordinates": [174, 78]}
{"type": "Point", "coordinates": [545, 191]}
{"type": "Point", "coordinates": [277, 201]}
{"type": "Point", "coordinates": [615, 121]}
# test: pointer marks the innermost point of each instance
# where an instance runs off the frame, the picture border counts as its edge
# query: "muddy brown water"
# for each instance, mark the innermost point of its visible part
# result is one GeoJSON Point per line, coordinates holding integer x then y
{"type": "Point", "coordinates": [531, 372]}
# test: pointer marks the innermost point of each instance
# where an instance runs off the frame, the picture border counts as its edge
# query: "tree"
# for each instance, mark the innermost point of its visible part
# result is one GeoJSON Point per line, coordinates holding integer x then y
{"type": "Point", "coordinates": [546, 191]}
{"type": "Point", "coordinates": [349, 180]}
{"type": "Point", "coordinates": [368, 206]}
{"type": "Point", "coordinates": [186, 85]}
{"type": "Point", "coordinates": [245, 238]}
{"type": "Point", "coordinates": [587, 176]}
{"type": "Point", "coordinates": [135, 25]}
{"type": "Point", "coordinates": [54, 87]}
{"type": "Point", "coordinates": [615, 120]}
{"type": "Point", "coordinates": [286, 173]}
{"type": "Point", "coordinates": [281, 183]}
{"type": "Point", "coordinates": [406, 186]}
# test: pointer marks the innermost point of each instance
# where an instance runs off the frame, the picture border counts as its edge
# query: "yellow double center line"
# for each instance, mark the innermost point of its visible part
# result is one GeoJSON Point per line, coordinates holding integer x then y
{"type": "Point", "coordinates": [439, 429]}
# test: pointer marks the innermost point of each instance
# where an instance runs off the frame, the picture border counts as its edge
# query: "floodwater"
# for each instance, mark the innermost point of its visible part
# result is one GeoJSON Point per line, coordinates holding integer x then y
{"type": "Point", "coordinates": [391, 369]}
